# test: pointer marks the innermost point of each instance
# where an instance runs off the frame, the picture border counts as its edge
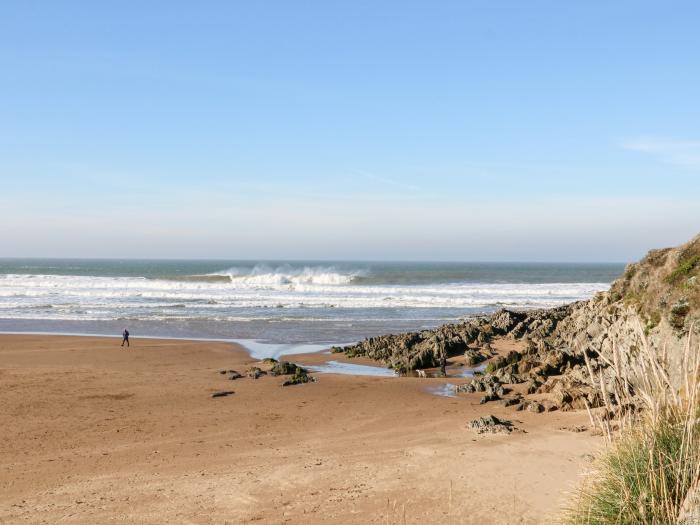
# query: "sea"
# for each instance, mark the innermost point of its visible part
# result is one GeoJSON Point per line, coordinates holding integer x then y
{"type": "Point", "coordinates": [276, 302]}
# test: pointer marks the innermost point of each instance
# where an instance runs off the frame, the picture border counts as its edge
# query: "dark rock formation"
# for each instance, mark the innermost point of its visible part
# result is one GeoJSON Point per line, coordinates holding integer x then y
{"type": "Point", "coordinates": [254, 372]}
{"type": "Point", "coordinates": [568, 350]}
{"type": "Point", "coordinates": [223, 393]}
{"type": "Point", "coordinates": [491, 425]}
{"type": "Point", "coordinates": [284, 368]}
{"type": "Point", "coordinates": [300, 376]}
{"type": "Point", "coordinates": [232, 374]}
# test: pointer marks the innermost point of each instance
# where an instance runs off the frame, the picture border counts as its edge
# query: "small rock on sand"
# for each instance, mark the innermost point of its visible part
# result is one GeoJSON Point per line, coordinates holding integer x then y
{"type": "Point", "coordinates": [491, 425]}
{"type": "Point", "coordinates": [222, 394]}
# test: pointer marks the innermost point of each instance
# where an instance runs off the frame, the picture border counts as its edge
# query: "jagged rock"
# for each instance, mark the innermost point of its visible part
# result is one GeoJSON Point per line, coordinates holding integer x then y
{"type": "Point", "coordinates": [535, 407]}
{"type": "Point", "coordinates": [526, 364]}
{"type": "Point", "coordinates": [511, 402]}
{"type": "Point", "coordinates": [492, 396]}
{"type": "Point", "coordinates": [508, 377]}
{"type": "Point", "coordinates": [491, 425]}
{"type": "Point", "coordinates": [300, 376]}
{"type": "Point", "coordinates": [283, 368]}
{"type": "Point", "coordinates": [255, 372]}
{"type": "Point", "coordinates": [560, 395]}
{"type": "Point", "coordinates": [532, 386]}
{"type": "Point", "coordinates": [518, 331]}
{"type": "Point", "coordinates": [657, 297]}
{"type": "Point", "coordinates": [428, 348]}
{"type": "Point", "coordinates": [233, 375]}
{"type": "Point", "coordinates": [473, 357]}
{"type": "Point", "coordinates": [503, 361]}
{"type": "Point", "coordinates": [504, 321]}
{"type": "Point", "coordinates": [532, 406]}
{"type": "Point", "coordinates": [467, 388]}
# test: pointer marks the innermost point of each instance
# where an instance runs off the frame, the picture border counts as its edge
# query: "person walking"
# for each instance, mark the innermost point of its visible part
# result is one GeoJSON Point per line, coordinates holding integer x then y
{"type": "Point", "coordinates": [125, 337]}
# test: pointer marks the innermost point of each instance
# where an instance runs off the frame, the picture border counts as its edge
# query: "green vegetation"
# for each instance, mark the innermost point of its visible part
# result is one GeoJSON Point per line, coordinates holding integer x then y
{"type": "Point", "coordinates": [659, 282]}
{"type": "Point", "coordinates": [651, 470]}
{"type": "Point", "coordinates": [300, 376]}
{"type": "Point", "coordinates": [283, 368]}
{"type": "Point", "coordinates": [683, 270]}
{"type": "Point", "coordinates": [679, 311]}
{"type": "Point", "coordinates": [492, 367]}
{"type": "Point", "coordinates": [645, 478]}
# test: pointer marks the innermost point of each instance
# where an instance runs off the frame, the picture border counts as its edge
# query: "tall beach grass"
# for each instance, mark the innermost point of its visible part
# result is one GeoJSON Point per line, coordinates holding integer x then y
{"type": "Point", "coordinates": [650, 471]}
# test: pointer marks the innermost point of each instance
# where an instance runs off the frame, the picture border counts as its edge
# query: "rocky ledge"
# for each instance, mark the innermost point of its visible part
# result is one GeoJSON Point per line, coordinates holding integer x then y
{"type": "Point", "coordinates": [566, 351]}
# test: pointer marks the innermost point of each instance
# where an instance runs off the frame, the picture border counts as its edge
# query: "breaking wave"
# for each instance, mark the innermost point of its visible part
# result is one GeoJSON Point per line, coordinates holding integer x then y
{"type": "Point", "coordinates": [237, 293]}
{"type": "Point", "coordinates": [262, 275]}
{"type": "Point", "coordinates": [266, 276]}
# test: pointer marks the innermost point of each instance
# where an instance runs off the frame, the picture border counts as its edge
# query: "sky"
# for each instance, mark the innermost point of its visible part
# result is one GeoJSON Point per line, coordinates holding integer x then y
{"type": "Point", "coordinates": [469, 130]}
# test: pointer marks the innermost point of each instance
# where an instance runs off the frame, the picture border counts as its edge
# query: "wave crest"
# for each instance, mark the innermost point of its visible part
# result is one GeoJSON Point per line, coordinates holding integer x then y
{"type": "Point", "coordinates": [263, 275]}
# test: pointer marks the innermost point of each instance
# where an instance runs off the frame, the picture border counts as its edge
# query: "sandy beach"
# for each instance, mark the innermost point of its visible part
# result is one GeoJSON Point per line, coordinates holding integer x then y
{"type": "Point", "coordinates": [94, 433]}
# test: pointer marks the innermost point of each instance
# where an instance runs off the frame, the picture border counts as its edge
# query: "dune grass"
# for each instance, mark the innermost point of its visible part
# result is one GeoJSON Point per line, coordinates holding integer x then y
{"type": "Point", "coordinates": [650, 471]}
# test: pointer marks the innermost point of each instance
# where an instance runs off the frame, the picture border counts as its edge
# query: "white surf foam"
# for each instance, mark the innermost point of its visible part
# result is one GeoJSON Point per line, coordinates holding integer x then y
{"type": "Point", "coordinates": [83, 297]}
{"type": "Point", "coordinates": [265, 276]}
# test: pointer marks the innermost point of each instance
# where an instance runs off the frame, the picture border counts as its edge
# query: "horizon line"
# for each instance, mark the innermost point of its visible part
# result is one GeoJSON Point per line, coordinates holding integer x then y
{"type": "Point", "coordinates": [293, 260]}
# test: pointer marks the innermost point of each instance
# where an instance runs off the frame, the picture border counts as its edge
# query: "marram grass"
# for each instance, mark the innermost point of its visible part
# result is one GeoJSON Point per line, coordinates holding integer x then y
{"type": "Point", "coordinates": [650, 471]}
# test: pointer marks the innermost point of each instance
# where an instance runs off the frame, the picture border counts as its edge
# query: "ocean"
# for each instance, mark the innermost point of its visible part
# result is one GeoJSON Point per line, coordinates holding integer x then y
{"type": "Point", "coordinates": [290, 302]}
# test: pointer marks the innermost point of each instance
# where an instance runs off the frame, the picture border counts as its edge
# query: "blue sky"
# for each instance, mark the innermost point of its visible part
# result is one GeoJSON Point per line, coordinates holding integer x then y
{"type": "Point", "coordinates": [327, 130]}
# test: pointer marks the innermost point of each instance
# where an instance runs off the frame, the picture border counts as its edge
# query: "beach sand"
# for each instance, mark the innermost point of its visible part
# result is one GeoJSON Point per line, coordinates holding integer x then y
{"type": "Point", "coordinates": [94, 433]}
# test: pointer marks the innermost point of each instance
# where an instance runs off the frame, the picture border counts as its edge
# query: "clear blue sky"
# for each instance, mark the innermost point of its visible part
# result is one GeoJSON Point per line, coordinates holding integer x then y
{"type": "Point", "coordinates": [465, 130]}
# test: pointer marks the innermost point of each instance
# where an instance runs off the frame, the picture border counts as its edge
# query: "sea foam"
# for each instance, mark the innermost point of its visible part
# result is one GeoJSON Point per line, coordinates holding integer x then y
{"type": "Point", "coordinates": [263, 275]}
{"type": "Point", "coordinates": [65, 296]}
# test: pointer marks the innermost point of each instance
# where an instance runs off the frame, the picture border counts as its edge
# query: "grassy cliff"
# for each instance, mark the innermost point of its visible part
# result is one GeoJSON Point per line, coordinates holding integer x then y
{"type": "Point", "coordinates": [664, 285]}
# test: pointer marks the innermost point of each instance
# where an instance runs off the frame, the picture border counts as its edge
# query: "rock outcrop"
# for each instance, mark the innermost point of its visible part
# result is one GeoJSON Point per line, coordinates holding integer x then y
{"type": "Point", "coordinates": [285, 368]}
{"type": "Point", "coordinates": [299, 377]}
{"type": "Point", "coordinates": [567, 349]}
{"type": "Point", "coordinates": [491, 425]}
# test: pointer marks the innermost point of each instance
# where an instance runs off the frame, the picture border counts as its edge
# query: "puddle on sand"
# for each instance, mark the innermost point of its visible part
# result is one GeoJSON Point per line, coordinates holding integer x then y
{"type": "Point", "coordinates": [469, 372]}
{"type": "Point", "coordinates": [260, 350]}
{"type": "Point", "coordinates": [336, 367]}
{"type": "Point", "coordinates": [446, 390]}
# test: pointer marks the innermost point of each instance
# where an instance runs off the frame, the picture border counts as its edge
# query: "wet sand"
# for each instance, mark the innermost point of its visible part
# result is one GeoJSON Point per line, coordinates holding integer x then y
{"type": "Point", "coordinates": [93, 433]}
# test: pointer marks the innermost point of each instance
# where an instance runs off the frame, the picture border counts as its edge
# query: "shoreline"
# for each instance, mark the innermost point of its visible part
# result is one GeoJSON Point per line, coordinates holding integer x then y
{"type": "Point", "coordinates": [313, 354]}
{"type": "Point", "coordinates": [239, 342]}
{"type": "Point", "coordinates": [95, 432]}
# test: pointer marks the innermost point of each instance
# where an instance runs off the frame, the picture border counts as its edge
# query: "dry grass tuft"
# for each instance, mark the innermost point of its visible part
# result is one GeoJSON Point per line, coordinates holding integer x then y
{"type": "Point", "coordinates": [650, 472]}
